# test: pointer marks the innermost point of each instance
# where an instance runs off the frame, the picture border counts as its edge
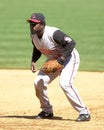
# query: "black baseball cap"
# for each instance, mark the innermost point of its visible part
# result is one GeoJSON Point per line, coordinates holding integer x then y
{"type": "Point", "coordinates": [37, 18]}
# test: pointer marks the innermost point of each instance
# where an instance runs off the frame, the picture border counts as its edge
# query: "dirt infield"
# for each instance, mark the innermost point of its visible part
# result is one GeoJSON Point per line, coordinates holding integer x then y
{"type": "Point", "coordinates": [18, 103]}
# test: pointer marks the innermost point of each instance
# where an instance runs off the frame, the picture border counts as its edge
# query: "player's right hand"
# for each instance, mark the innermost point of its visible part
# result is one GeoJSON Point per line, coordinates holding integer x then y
{"type": "Point", "coordinates": [33, 67]}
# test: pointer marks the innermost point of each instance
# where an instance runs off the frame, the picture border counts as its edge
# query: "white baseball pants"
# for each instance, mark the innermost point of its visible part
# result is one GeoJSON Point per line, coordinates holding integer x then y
{"type": "Point", "coordinates": [66, 78]}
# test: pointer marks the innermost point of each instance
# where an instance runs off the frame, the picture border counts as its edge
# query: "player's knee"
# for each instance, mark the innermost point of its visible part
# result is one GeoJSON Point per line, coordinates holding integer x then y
{"type": "Point", "coordinates": [38, 83]}
{"type": "Point", "coordinates": [39, 87]}
{"type": "Point", "coordinates": [63, 84]}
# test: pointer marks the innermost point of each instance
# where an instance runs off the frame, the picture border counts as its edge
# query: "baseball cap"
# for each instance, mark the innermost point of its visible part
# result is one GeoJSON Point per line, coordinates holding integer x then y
{"type": "Point", "coordinates": [37, 18]}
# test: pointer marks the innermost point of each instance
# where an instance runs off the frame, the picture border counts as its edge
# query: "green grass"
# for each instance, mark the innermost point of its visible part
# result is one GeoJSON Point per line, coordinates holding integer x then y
{"type": "Point", "coordinates": [83, 20]}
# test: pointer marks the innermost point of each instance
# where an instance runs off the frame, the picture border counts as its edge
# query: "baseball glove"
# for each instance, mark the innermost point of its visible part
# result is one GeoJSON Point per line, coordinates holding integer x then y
{"type": "Point", "coordinates": [51, 66]}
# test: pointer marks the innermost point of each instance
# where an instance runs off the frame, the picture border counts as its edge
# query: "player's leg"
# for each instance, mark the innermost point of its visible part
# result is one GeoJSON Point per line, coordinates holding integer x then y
{"type": "Point", "coordinates": [66, 82]}
{"type": "Point", "coordinates": [41, 82]}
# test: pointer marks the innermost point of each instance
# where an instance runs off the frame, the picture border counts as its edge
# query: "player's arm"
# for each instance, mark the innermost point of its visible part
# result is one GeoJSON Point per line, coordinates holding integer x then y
{"type": "Point", "coordinates": [36, 54]}
{"type": "Point", "coordinates": [66, 42]}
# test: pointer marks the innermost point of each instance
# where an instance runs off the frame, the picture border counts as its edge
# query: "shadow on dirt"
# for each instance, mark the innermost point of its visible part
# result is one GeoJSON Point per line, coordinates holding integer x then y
{"type": "Point", "coordinates": [33, 117]}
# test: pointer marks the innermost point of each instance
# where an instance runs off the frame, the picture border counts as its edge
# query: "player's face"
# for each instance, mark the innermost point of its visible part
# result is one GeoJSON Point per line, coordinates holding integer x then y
{"type": "Point", "coordinates": [35, 27]}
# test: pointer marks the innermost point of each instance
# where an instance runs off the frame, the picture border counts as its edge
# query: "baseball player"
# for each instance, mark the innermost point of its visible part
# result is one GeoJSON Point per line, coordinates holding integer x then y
{"type": "Point", "coordinates": [55, 44]}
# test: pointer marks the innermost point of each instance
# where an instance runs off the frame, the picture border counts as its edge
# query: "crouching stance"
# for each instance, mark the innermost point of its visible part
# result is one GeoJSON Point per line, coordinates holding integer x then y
{"type": "Point", "coordinates": [59, 48]}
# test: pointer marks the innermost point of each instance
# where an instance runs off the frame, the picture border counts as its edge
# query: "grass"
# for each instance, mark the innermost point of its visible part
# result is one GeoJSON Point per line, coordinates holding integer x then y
{"type": "Point", "coordinates": [82, 20]}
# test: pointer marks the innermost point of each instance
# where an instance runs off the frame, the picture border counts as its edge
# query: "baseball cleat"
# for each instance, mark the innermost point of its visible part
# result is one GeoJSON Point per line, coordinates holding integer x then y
{"type": "Point", "coordinates": [44, 115]}
{"type": "Point", "coordinates": [83, 117]}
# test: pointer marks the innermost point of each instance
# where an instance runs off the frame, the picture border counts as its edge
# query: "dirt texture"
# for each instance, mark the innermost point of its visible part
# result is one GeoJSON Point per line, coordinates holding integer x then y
{"type": "Point", "coordinates": [19, 105]}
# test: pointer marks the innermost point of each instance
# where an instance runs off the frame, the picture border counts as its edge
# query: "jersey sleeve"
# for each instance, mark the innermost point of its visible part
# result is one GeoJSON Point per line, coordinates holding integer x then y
{"type": "Point", "coordinates": [36, 54]}
{"type": "Point", "coordinates": [66, 42]}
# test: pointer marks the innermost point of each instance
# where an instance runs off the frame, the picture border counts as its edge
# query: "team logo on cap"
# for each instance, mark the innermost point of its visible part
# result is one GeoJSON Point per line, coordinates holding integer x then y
{"type": "Point", "coordinates": [33, 16]}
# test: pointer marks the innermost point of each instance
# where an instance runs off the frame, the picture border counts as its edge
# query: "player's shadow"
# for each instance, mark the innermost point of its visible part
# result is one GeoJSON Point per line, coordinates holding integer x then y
{"type": "Point", "coordinates": [33, 117]}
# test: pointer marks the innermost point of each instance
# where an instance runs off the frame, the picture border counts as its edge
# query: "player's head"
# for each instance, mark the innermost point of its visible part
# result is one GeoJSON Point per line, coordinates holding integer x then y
{"type": "Point", "coordinates": [37, 22]}
{"type": "Point", "coordinates": [37, 18]}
